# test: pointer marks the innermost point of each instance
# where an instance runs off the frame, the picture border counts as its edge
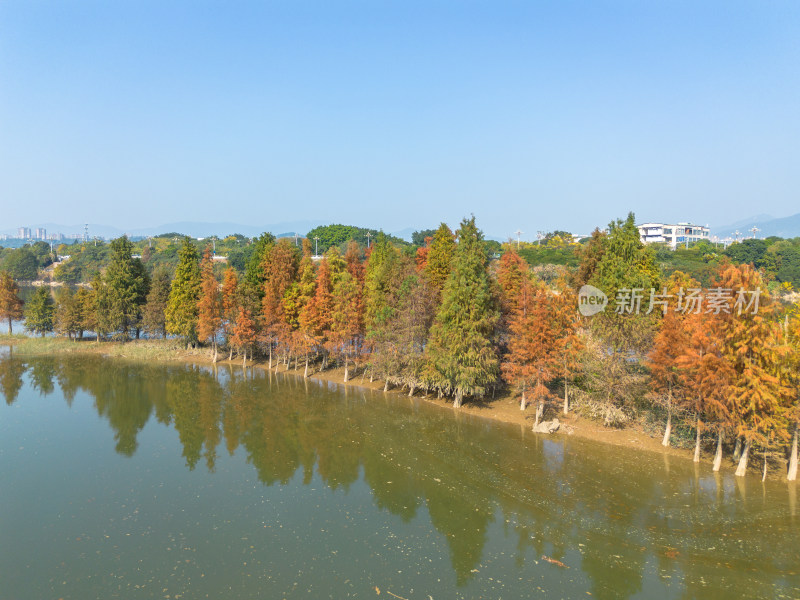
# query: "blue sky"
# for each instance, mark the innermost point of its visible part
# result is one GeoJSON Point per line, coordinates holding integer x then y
{"type": "Point", "coordinates": [530, 115]}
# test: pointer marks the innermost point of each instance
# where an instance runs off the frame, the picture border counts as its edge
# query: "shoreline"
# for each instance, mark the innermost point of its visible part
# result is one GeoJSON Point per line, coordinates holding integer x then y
{"type": "Point", "coordinates": [503, 409]}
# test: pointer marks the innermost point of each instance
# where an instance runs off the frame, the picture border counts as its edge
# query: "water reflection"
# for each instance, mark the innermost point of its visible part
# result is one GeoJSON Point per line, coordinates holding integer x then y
{"type": "Point", "coordinates": [630, 523]}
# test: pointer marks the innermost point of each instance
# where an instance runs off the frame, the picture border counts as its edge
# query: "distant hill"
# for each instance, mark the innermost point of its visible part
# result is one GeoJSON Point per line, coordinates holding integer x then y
{"type": "Point", "coordinates": [190, 228]}
{"type": "Point", "coordinates": [786, 227]}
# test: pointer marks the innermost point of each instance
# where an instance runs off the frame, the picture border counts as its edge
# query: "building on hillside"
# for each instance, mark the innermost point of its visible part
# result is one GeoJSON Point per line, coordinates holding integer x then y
{"type": "Point", "coordinates": [672, 234]}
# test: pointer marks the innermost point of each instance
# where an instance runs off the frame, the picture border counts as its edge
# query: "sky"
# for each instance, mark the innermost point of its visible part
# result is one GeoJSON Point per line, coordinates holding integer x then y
{"type": "Point", "coordinates": [532, 116]}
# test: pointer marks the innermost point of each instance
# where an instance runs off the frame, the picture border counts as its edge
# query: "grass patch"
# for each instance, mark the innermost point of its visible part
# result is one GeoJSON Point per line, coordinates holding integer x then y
{"type": "Point", "coordinates": [140, 350]}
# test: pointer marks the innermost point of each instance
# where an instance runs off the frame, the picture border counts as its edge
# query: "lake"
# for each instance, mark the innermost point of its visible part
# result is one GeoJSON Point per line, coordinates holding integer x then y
{"type": "Point", "coordinates": [126, 480]}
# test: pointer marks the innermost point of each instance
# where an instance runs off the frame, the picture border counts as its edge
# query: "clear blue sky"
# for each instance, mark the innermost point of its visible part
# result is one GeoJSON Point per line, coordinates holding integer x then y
{"type": "Point", "coordinates": [396, 114]}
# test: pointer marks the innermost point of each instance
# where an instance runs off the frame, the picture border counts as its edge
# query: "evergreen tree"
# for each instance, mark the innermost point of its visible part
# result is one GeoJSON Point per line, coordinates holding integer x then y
{"type": "Point", "coordinates": [181, 313]}
{"type": "Point", "coordinates": [126, 286]}
{"type": "Point", "coordinates": [68, 316]}
{"type": "Point", "coordinates": [439, 258]}
{"type": "Point", "coordinates": [154, 319]}
{"type": "Point", "coordinates": [87, 303]}
{"type": "Point", "coordinates": [10, 302]}
{"type": "Point", "coordinates": [461, 349]}
{"type": "Point", "coordinates": [40, 311]}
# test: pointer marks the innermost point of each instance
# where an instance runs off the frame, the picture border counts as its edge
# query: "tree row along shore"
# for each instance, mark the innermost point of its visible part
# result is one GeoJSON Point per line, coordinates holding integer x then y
{"type": "Point", "coordinates": [454, 319]}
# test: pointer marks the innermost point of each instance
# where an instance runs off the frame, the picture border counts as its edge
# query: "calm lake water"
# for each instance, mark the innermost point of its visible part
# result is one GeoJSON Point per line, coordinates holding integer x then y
{"type": "Point", "coordinates": [123, 480]}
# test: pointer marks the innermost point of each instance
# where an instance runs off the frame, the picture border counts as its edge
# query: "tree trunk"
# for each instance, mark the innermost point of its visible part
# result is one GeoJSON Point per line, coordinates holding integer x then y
{"type": "Point", "coordinates": [742, 468]}
{"type": "Point", "coordinates": [764, 476]}
{"type": "Point", "coordinates": [697, 444]}
{"type": "Point", "coordinates": [792, 474]}
{"type": "Point", "coordinates": [230, 353]}
{"type": "Point", "coordinates": [566, 397]}
{"type": "Point", "coordinates": [371, 375]}
{"type": "Point", "coordinates": [667, 429]}
{"type": "Point", "coordinates": [288, 360]}
{"type": "Point", "coordinates": [457, 399]}
{"type": "Point", "coordinates": [522, 403]}
{"type": "Point", "coordinates": [270, 355]}
{"type": "Point", "coordinates": [9, 325]}
{"type": "Point", "coordinates": [244, 359]}
{"type": "Point", "coordinates": [737, 449]}
{"type": "Point", "coordinates": [386, 385]}
{"type": "Point", "coordinates": [305, 373]}
{"type": "Point", "coordinates": [215, 353]}
{"type": "Point", "coordinates": [539, 412]}
{"type": "Point", "coordinates": [411, 388]}
{"type": "Point", "coordinates": [346, 372]}
{"type": "Point", "coordinates": [718, 455]}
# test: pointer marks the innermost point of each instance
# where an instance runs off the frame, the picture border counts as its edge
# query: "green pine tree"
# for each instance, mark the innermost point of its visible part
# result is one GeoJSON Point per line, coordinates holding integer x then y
{"type": "Point", "coordinates": [461, 353]}
{"type": "Point", "coordinates": [440, 257]}
{"type": "Point", "coordinates": [181, 312]}
{"type": "Point", "coordinates": [126, 286]}
{"type": "Point", "coordinates": [40, 311]}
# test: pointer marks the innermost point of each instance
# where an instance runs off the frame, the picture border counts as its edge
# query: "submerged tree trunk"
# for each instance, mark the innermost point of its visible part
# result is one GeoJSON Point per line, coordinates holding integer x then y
{"type": "Point", "coordinates": [346, 372]}
{"type": "Point", "coordinates": [764, 475]}
{"type": "Point", "coordinates": [522, 403]}
{"type": "Point", "coordinates": [742, 468]}
{"type": "Point", "coordinates": [230, 353]}
{"type": "Point", "coordinates": [737, 449]}
{"type": "Point", "coordinates": [667, 429]}
{"type": "Point", "coordinates": [411, 388]}
{"type": "Point", "coordinates": [386, 385]}
{"type": "Point", "coordinates": [244, 359]}
{"type": "Point", "coordinates": [792, 474]}
{"type": "Point", "coordinates": [718, 455]}
{"type": "Point", "coordinates": [270, 355]}
{"type": "Point", "coordinates": [697, 443]}
{"type": "Point", "coordinates": [305, 374]}
{"type": "Point", "coordinates": [566, 397]}
{"type": "Point", "coordinates": [457, 400]}
{"type": "Point", "coordinates": [215, 353]}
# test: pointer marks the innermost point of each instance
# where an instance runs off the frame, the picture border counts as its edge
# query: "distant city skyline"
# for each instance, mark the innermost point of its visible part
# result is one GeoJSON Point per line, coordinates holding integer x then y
{"type": "Point", "coordinates": [532, 116]}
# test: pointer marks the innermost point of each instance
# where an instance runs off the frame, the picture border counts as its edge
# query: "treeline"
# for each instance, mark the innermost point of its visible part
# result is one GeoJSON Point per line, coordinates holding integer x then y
{"type": "Point", "coordinates": [447, 319]}
{"type": "Point", "coordinates": [25, 262]}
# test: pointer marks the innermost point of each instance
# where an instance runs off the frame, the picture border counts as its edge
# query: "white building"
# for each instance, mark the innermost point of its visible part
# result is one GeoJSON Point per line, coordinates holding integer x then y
{"type": "Point", "coordinates": [672, 234]}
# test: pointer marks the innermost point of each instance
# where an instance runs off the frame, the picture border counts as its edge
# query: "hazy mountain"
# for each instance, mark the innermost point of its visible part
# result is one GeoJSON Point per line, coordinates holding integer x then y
{"type": "Point", "coordinates": [786, 227]}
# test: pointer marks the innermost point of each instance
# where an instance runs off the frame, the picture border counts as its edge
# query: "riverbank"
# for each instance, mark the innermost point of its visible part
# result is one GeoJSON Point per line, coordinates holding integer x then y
{"type": "Point", "coordinates": [504, 408]}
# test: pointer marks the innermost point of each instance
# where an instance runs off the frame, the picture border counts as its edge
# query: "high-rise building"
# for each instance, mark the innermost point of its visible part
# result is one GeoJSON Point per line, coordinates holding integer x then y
{"type": "Point", "coordinates": [41, 233]}
{"type": "Point", "coordinates": [24, 233]}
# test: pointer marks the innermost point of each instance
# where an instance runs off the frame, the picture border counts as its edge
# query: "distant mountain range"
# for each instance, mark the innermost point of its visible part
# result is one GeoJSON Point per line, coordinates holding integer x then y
{"type": "Point", "coordinates": [785, 227]}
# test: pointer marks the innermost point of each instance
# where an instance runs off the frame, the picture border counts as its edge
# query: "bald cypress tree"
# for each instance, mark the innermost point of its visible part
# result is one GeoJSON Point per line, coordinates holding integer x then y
{"type": "Point", "coordinates": [439, 258]}
{"type": "Point", "coordinates": [181, 313]}
{"type": "Point", "coordinates": [10, 302]}
{"type": "Point", "coordinates": [40, 312]}
{"type": "Point", "coordinates": [461, 349]}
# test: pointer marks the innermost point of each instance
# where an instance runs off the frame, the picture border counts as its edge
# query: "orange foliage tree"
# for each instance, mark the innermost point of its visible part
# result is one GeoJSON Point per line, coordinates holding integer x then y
{"type": "Point", "coordinates": [230, 304]}
{"type": "Point", "coordinates": [209, 318]}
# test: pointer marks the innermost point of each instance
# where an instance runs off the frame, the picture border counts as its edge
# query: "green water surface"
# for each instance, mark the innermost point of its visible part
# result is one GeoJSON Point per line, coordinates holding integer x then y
{"type": "Point", "coordinates": [124, 480]}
